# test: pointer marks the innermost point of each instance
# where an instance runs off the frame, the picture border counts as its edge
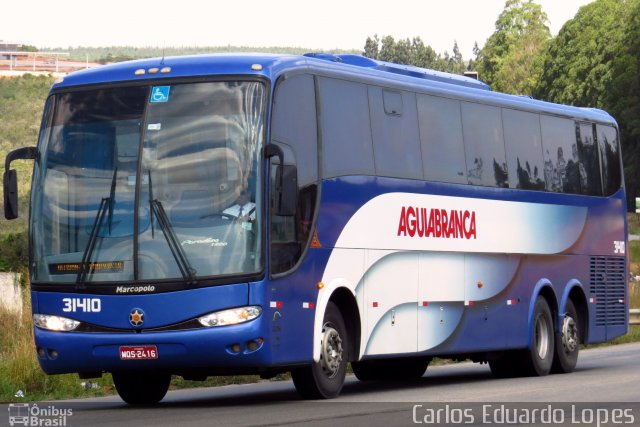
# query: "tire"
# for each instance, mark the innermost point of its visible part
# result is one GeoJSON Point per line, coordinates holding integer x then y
{"type": "Point", "coordinates": [567, 342]}
{"type": "Point", "coordinates": [141, 388]}
{"type": "Point", "coordinates": [390, 369]}
{"type": "Point", "coordinates": [538, 359]}
{"type": "Point", "coordinates": [324, 379]}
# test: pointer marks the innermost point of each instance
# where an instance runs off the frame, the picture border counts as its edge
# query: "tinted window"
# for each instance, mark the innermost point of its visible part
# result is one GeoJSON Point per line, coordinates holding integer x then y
{"type": "Point", "coordinates": [441, 139]}
{"type": "Point", "coordinates": [523, 143]}
{"type": "Point", "coordinates": [294, 124]}
{"type": "Point", "coordinates": [346, 132]}
{"type": "Point", "coordinates": [484, 145]}
{"type": "Point", "coordinates": [584, 166]}
{"type": "Point", "coordinates": [394, 125]}
{"type": "Point", "coordinates": [610, 158]}
{"type": "Point", "coordinates": [558, 139]}
{"type": "Point", "coordinates": [294, 130]}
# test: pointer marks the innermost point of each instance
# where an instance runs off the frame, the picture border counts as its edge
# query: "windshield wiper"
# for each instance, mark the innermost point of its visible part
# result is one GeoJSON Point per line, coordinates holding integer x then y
{"type": "Point", "coordinates": [106, 205]}
{"type": "Point", "coordinates": [177, 251]}
{"type": "Point", "coordinates": [93, 237]}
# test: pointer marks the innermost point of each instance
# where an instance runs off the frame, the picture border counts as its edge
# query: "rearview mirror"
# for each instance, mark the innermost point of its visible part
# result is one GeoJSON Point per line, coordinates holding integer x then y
{"type": "Point", "coordinates": [10, 180]}
{"type": "Point", "coordinates": [10, 184]}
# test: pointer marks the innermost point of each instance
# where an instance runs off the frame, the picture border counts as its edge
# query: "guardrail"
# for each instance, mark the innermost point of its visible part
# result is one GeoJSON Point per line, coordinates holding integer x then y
{"type": "Point", "coordinates": [634, 316]}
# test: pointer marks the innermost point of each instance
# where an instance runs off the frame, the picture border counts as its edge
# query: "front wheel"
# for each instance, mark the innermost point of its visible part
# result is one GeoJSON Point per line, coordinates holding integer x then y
{"type": "Point", "coordinates": [324, 379]}
{"type": "Point", "coordinates": [141, 388]}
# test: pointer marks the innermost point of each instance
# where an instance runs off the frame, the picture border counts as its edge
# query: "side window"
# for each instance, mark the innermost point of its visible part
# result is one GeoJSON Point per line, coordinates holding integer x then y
{"type": "Point", "coordinates": [346, 131]}
{"type": "Point", "coordinates": [523, 144]}
{"type": "Point", "coordinates": [294, 129]}
{"type": "Point", "coordinates": [394, 125]}
{"type": "Point", "coordinates": [558, 139]}
{"type": "Point", "coordinates": [609, 158]}
{"type": "Point", "coordinates": [484, 145]}
{"type": "Point", "coordinates": [441, 139]}
{"type": "Point", "coordinates": [586, 167]}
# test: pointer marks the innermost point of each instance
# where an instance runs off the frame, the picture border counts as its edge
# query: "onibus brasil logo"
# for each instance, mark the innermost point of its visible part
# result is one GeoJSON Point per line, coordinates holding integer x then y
{"type": "Point", "coordinates": [32, 415]}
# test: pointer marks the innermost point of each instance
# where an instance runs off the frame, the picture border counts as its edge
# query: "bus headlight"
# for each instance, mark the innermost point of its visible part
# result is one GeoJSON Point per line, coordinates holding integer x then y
{"type": "Point", "coordinates": [232, 316]}
{"type": "Point", "coordinates": [54, 323]}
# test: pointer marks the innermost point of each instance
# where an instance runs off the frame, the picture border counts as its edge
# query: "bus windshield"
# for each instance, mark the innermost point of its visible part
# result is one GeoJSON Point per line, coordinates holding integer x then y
{"type": "Point", "coordinates": [149, 182]}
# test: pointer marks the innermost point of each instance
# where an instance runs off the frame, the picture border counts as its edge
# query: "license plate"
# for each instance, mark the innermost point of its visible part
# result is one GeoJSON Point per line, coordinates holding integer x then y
{"type": "Point", "coordinates": [138, 352]}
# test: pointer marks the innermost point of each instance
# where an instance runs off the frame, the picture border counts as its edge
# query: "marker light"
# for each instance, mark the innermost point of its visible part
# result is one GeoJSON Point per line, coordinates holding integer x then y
{"type": "Point", "coordinates": [256, 67]}
{"type": "Point", "coordinates": [232, 316]}
{"type": "Point", "coordinates": [54, 323]}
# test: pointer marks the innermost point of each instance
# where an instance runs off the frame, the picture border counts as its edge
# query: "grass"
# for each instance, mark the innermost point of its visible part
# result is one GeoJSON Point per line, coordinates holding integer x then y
{"type": "Point", "coordinates": [21, 103]}
{"type": "Point", "coordinates": [19, 368]}
{"type": "Point", "coordinates": [633, 221]}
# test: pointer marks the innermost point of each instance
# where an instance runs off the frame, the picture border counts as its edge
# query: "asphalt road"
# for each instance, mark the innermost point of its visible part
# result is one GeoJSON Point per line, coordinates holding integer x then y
{"type": "Point", "coordinates": [606, 383]}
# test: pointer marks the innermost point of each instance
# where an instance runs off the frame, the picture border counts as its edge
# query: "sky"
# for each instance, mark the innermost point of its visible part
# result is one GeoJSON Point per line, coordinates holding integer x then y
{"type": "Point", "coordinates": [325, 25]}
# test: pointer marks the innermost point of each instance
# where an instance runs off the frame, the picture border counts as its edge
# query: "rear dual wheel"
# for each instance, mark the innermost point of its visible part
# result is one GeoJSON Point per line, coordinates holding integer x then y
{"type": "Point", "coordinates": [536, 360]}
{"type": "Point", "coordinates": [567, 345]}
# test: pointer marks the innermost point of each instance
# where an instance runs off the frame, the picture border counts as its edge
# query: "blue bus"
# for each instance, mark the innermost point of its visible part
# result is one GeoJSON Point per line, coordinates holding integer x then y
{"type": "Point", "coordinates": [259, 214]}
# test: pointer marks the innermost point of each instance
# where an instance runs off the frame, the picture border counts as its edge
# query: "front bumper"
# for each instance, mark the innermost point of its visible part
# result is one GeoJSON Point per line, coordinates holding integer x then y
{"type": "Point", "coordinates": [217, 347]}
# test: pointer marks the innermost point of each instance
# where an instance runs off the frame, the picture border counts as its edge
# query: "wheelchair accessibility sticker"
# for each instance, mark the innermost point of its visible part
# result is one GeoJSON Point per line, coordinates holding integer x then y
{"type": "Point", "coordinates": [160, 94]}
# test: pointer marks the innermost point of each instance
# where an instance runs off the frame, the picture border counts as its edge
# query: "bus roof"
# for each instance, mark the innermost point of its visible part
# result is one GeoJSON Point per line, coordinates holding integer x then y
{"type": "Point", "coordinates": [355, 67]}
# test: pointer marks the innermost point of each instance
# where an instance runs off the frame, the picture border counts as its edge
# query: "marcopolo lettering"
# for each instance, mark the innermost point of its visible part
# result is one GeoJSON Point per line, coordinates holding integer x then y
{"type": "Point", "coordinates": [437, 223]}
{"type": "Point", "coordinates": [135, 289]}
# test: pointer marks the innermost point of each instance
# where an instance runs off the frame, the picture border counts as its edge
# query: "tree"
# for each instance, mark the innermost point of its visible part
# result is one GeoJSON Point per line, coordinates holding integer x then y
{"type": "Point", "coordinates": [371, 47]}
{"type": "Point", "coordinates": [456, 63]}
{"type": "Point", "coordinates": [508, 61]}
{"type": "Point", "coordinates": [578, 61]}
{"type": "Point", "coordinates": [593, 62]}
{"type": "Point", "coordinates": [388, 49]}
{"type": "Point", "coordinates": [408, 52]}
{"type": "Point", "coordinates": [27, 48]}
{"type": "Point", "coordinates": [622, 98]}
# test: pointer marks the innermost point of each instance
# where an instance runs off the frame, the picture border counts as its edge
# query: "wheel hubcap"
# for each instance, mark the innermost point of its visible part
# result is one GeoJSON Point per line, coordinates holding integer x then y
{"type": "Point", "coordinates": [542, 337]}
{"type": "Point", "coordinates": [331, 356]}
{"type": "Point", "coordinates": [569, 334]}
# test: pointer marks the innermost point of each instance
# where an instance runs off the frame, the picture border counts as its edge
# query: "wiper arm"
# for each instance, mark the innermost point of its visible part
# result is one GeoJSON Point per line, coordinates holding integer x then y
{"type": "Point", "coordinates": [172, 240]}
{"type": "Point", "coordinates": [106, 204]}
{"type": "Point", "coordinates": [157, 210]}
{"type": "Point", "coordinates": [112, 197]}
{"type": "Point", "coordinates": [93, 237]}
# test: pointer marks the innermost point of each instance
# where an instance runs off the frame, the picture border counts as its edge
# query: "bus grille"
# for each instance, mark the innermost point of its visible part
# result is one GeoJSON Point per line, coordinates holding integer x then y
{"type": "Point", "coordinates": [608, 287]}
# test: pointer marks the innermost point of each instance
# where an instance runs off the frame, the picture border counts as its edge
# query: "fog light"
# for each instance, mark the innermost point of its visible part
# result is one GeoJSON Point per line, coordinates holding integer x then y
{"type": "Point", "coordinates": [254, 345]}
